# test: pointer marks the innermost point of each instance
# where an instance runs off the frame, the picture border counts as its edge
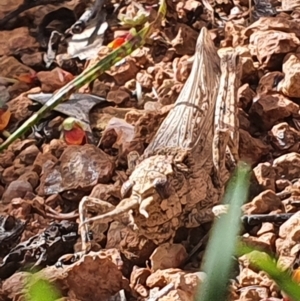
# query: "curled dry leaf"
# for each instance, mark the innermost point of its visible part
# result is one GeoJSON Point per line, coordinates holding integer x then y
{"type": "Point", "coordinates": [33, 60]}
{"type": "Point", "coordinates": [249, 277]}
{"type": "Point", "coordinates": [12, 173]}
{"type": "Point", "coordinates": [20, 145]}
{"type": "Point", "coordinates": [106, 191]}
{"type": "Point", "coordinates": [121, 135]}
{"type": "Point", "coordinates": [7, 7]}
{"type": "Point", "coordinates": [139, 276]}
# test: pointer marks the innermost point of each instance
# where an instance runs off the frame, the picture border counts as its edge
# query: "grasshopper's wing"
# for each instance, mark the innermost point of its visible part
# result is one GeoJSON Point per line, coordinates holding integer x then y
{"type": "Point", "coordinates": [192, 117]}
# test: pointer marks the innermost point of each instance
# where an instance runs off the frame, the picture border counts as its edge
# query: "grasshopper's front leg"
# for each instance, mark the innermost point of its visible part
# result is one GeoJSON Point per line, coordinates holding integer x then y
{"type": "Point", "coordinates": [226, 135]}
{"type": "Point", "coordinates": [88, 204]}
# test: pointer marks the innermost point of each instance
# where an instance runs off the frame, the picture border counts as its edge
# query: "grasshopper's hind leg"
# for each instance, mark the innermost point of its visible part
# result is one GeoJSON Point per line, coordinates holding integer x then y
{"type": "Point", "coordinates": [226, 138]}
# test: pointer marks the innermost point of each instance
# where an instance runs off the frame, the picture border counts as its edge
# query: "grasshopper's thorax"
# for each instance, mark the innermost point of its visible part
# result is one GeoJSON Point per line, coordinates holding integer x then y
{"type": "Point", "coordinates": [153, 184]}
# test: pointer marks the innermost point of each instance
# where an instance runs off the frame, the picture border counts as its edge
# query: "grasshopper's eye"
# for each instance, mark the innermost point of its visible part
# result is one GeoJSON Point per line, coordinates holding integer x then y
{"type": "Point", "coordinates": [126, 188]}
{"type": "Point", "coordinates": [9, 223]}
{"type": "Point", "coordinates": [162, 187]}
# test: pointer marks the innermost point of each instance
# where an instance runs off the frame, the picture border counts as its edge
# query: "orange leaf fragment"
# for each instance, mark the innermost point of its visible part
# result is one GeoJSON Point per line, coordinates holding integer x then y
{"type": "Point", "coordinates": [117, 42]}
{"type": "Point", "coordinates": [4, 118]}
{"type": "Point", "coordinates": [28, 78]}
{"type": "Point", "coordinates": [296, 275]}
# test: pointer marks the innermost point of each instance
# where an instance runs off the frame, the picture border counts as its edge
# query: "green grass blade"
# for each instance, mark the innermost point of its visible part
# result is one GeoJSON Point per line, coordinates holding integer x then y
{"type": "Point", "coordinates": [221, 246]}
{"type": "Point", "coordinates": [264, 262]}
{"type": "Point", "coordinates": [41, 290]}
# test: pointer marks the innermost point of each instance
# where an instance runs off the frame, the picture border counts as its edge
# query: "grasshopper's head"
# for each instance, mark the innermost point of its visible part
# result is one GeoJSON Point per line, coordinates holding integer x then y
{"type": "Point", "coordinates": [150, 182]}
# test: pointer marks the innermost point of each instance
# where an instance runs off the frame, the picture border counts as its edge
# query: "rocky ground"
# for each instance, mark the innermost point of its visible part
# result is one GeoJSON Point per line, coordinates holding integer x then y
{"type": "Point", "coordinates": [43, 177]}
